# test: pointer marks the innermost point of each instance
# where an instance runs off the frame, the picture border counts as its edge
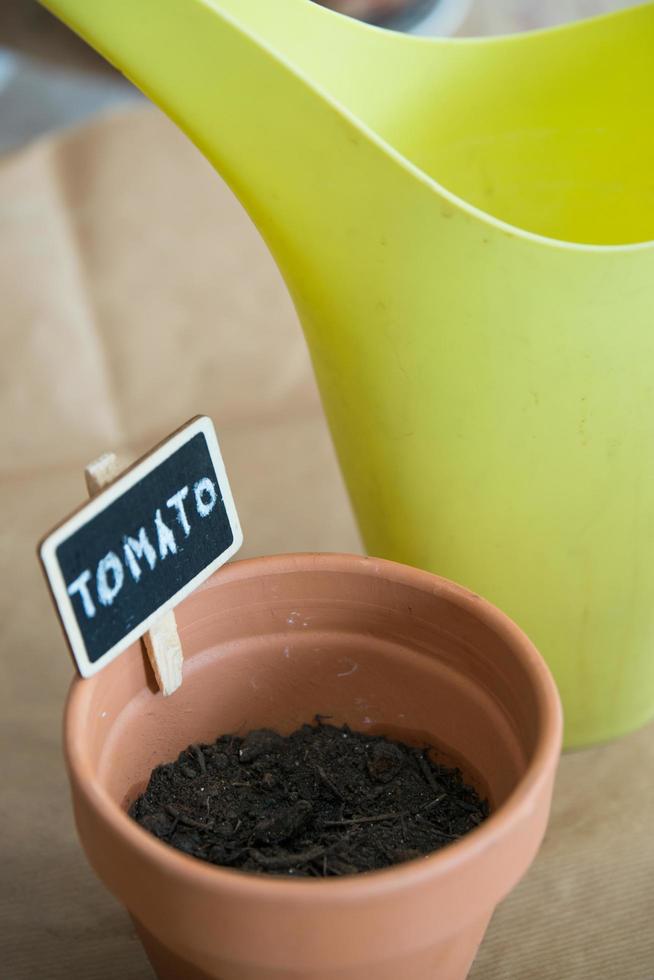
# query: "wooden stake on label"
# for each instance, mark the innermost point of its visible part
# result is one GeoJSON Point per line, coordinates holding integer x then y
{"type": "Point", "coordinates": [162, 642]}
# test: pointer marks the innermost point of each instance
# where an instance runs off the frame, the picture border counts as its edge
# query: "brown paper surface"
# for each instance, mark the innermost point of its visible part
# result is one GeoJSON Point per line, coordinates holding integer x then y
{"type": "Point", "coordinates": [135, 294]}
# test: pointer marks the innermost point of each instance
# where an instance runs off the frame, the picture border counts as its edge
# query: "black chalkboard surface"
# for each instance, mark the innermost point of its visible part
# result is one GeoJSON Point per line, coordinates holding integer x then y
{"type": "Point", "coordinates": [143, 544]}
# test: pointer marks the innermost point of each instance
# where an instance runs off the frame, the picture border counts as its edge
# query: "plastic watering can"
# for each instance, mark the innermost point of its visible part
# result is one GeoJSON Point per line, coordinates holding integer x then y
{"type": "Point", "coordinates": [466, 229]}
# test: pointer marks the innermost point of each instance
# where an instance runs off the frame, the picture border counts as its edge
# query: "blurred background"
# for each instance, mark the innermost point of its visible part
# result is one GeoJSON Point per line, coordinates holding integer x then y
{"type": "Point", "coordinates": [48, 78]}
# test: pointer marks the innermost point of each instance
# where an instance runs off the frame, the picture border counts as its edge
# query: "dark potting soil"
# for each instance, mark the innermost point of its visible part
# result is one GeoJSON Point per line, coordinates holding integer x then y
{"type": "Point", "coordinates": [320, 802]}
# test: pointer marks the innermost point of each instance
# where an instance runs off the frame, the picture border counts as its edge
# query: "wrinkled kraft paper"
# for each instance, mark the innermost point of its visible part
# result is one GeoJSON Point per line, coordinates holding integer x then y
{"type": "Point", "coordinates": [135, 294]}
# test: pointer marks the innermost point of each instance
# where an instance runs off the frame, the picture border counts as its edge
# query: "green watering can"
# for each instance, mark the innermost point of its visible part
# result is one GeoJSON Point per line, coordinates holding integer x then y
{"type": "Point", "coordinates": [466, 229]}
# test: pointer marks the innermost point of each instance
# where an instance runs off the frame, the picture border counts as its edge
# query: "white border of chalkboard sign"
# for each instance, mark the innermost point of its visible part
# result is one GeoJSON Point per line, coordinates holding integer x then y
{"type": "Point", "coordinates": [130, 477]}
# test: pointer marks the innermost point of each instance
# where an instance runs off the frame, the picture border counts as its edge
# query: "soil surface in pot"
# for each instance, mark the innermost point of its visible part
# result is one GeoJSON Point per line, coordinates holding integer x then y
{"type": "Point", "coordinates": [322, 802]}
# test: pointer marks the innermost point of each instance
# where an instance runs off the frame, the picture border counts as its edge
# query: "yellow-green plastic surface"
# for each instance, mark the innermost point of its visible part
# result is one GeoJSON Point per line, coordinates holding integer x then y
{"type": "Point", "coordinates": [466, 229]}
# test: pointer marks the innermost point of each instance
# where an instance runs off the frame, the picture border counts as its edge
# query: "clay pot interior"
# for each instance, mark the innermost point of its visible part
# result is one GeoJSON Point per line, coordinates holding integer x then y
{"type": "Point", "coordinates": [275, 650]}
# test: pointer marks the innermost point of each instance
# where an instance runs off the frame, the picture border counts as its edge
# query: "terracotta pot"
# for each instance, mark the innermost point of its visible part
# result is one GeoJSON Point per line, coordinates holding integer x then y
{"type": "Point", "coordinates": [272, 642]}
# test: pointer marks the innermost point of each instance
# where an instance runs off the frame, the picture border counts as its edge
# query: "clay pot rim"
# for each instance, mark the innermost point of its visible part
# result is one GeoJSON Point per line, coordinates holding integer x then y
{"type": "Point", "coordinates": [499, 825]}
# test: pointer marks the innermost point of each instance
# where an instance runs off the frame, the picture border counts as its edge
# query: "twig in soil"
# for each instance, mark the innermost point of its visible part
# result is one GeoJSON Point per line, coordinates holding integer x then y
{"type": "Point", "coordinates": [180, 817]}
{"type": "Point", "coordinates": [428, 774]}
{"type": "Point", "coordinates": [282, 862]}
{"type": "Point", "coordinates": [355, 820]}
{"type": "Point", "coordinates": [428, 806]}
{"type": "Point", "coordinates": [339, 867]}
{"type": "Point", "coordinates": [199, 755]}
{"type": "Point", "coordinates": [468, 807]}
{"type": "Point", "coordinates": [328, 783]}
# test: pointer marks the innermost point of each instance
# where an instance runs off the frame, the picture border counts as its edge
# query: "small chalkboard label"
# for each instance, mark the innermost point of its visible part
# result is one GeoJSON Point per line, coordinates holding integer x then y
{"type": "Point", "coordinates": [140, 546]}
